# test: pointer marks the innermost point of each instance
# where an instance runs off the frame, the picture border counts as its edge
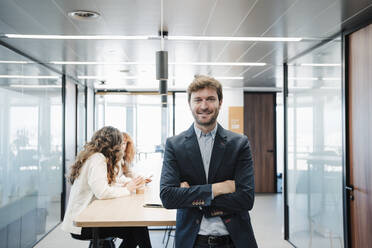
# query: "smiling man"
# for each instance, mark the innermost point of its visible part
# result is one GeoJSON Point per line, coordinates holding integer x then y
{"type": "Point", "coordinates": [208, 177]}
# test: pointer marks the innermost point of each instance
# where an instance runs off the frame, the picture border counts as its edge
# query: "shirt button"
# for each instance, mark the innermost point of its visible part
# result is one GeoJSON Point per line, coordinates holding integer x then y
{"type": "Point", "coordinates": [197, 222]}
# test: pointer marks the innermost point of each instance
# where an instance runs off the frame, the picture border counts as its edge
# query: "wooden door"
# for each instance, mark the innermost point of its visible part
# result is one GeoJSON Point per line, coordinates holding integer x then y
{"type": "Point", "coordinates": [360, 136]}
{"type": "Point", "coordinates": [259, 126]}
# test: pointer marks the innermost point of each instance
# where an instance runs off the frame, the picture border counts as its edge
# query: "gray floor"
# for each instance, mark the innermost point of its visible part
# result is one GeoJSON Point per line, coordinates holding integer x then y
{"type": "Point", "coordinates": [267, 220]}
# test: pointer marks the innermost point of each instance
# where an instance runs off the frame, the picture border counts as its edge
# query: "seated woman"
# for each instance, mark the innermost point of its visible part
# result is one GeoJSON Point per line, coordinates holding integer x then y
{"type": "Point", "coordinates": [93, 176]}
{"type": "Point", "coordinates": [125, 174]}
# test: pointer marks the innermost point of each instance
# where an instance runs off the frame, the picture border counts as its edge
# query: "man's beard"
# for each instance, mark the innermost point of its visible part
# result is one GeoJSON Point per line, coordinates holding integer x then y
{"type": "Point", "coordinates": [210, 122]}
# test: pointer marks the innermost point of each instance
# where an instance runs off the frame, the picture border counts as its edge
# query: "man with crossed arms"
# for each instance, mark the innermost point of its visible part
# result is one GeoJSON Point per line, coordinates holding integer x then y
{"type": "Point", "coordinates": [208, 176]}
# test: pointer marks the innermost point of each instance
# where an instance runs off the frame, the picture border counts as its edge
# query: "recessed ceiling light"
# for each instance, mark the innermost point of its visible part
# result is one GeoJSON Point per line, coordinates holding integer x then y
{"type": "Point", "coordinates": [83, 14]}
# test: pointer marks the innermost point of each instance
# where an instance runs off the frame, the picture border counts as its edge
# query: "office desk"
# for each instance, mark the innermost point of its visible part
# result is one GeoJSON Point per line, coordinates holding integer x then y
{"type": "Point", "coordinates": [124, 211]}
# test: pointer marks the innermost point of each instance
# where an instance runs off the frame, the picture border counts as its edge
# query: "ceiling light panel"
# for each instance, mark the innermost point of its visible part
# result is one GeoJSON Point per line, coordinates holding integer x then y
{"type": "Point", "coordinates": [219, 63]}
{"type": "Point", "coordinates": [149, 63]}
{"type": "Point", "coordinates": [77, 37]}
{"type": "Point", "coordinates": [28, 77]}
{"type": "Point", "coordinates": [35, 86]}
{"type": "Point", "coordinates": [106, 77]}
{"type": "Point", "coordinates": [13, 62]}
{"type": "Point", "coordinates": [321, 65]}
{"type": "Point", "coordinates": [232, 38]}
{"type": "Point", "coordinates": [95, 63]}
{"type": "Point", "coordinates": [147, 37]}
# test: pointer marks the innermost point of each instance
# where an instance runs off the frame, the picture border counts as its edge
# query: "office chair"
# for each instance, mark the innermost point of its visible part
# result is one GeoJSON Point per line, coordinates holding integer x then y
{"type": "Point", "coordinates": [168, 232]}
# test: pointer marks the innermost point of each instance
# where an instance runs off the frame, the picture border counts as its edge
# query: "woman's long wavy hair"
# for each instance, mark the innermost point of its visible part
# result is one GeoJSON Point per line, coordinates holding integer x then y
{"type": "Point", "coordinates": [108, 141]}
{"type": "Point", "coordinates": [129, 153]}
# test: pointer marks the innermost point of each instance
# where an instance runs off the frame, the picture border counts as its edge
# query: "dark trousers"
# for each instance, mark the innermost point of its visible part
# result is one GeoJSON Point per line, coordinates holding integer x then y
{"type": "Point", "coordinates": [132, 236]}
{"type": "Point", "coordinates": [213, 246]}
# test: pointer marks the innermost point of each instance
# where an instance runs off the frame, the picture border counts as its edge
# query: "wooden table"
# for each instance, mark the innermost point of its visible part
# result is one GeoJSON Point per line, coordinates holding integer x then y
{"type": "Point", "coordinates": [125, 211]}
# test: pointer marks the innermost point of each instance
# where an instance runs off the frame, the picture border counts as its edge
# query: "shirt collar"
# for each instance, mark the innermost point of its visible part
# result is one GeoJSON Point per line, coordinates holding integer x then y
{"type": "Point", "coordinates": [199, 132]}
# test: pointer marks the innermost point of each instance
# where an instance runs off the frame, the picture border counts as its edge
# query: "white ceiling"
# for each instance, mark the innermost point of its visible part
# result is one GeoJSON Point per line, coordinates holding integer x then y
{"type": "Point", "coordinates": [314, 20]}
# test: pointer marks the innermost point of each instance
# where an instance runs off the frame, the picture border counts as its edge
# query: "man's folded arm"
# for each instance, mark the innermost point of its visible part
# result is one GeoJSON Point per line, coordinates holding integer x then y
{"type": "Point", "coordinates": [171, 194]}
{"type": "Point", "coordinates": [243, 197]}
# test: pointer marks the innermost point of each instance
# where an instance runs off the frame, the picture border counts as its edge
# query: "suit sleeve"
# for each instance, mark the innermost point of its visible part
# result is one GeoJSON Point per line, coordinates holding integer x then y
{"type": "Point", "coordinates": [174, 197]}
{"type": "Point", "coordinates": [243, 198]}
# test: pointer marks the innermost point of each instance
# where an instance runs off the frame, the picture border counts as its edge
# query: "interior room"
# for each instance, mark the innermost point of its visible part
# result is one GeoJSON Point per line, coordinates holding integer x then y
{"type": "Point", "coordinates": [296, 79]}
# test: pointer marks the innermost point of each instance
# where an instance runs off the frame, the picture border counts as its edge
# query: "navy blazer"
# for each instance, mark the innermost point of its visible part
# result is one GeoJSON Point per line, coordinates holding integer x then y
{"type": "Point", "coordinates": [231, 160]}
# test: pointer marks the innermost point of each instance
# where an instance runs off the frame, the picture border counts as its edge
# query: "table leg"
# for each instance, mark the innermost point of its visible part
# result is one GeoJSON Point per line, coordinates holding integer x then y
{"type": "Point", "coordinates": [95, 237]}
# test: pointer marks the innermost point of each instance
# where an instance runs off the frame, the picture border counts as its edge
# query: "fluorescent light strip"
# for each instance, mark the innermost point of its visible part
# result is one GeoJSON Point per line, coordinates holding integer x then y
{"type": "Point", "coordinates": [315, 78]}
{"type": "Point", "coordinates": [147, 37]}
{"type": "Point", "coordinates": [321, 65]}
{"type": "Point", "coordinates": [227, 38]}
{"type": "Point", "coordinates": [105, 77]}
{"type": "Point", "coordinates": [77, 37]}
{"type": "Point", "coordinates": [136, 77]}
{"type": "Point", "coordinates": [331, 79]}
{"type": "Point", "coordinates": [303, 78]}
{"type": "Point", "coordinates": [94, 63]}
{"type": "Point", "coordinates": [229, 78]}
{"type": "Point", "coordinates": [148, 63]}
{"type": "Point", "coordinates": [35, 86]}
{"type": "Point", "coordinates": [13, 62]}
{"type": "Point", "coordinates": [28, 77]}
{"type": "Point", "coordinates": [218, 78]}
{"type": "Point", "coordinates": [219, 63]}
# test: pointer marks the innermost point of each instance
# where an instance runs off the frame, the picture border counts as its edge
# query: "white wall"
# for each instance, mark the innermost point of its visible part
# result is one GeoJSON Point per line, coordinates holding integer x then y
{"type": "Point", "coordinates": [231, 98]}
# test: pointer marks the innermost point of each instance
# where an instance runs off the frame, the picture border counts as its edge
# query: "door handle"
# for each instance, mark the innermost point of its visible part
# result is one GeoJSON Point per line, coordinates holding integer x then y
{"type": "Point", "coordinates": [350, 189]}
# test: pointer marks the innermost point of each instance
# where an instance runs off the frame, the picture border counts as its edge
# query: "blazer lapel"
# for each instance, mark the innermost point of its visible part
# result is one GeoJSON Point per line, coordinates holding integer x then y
{"type": "Point", "coordinates": [193, 152]}
{"type": "Point", "coordinates": [218, 152]}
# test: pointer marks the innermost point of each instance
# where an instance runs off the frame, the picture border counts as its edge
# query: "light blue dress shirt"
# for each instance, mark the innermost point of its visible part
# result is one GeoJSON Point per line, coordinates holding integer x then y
{"type": "Point", "coordinates": [214, 225]}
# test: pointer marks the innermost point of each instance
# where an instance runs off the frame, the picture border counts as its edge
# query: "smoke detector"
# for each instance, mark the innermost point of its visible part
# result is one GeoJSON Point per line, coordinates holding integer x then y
{"type": "Point", "coordinates": [83, 14]}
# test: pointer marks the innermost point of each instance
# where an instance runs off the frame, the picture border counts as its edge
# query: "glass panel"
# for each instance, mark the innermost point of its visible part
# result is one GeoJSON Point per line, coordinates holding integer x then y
{"type": "Point", "coordinates": [279, 141]}
{"type": "Point", "coordinates": [183, 118]}
{"type": "Point", "coordinates": [315, 148]}
{"type": "Point", "coordinates": [140, 116]}
{"type": "Point", "coordinates": [81, 118]}
{"type": "Point", "coordinates": [30, 153]}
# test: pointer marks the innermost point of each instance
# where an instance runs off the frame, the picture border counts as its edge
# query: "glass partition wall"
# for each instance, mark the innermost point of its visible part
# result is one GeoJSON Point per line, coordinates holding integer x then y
{"type": "Point", "coordinates": [140, 115]}
{"type": "Point", "coordinates": [81, 120]}
{"type": "Point", "coordinates": [30, 151]}
{"type": "Point", "coordinates": [314, 135]}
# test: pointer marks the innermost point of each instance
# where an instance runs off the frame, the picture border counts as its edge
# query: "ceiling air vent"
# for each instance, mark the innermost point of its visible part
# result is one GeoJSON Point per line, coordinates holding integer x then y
{"type": "Point", "coordinates": [83, 14]}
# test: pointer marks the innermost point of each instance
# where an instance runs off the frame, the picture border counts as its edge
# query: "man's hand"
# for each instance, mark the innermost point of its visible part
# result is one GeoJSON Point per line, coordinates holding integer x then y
{"type": "Point", "coordinates": [225, 187]}
{"type": "Point", "coordinates": [185, 185]}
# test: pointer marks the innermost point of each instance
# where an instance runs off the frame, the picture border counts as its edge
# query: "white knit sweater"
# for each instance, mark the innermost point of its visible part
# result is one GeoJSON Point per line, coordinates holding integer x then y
{"type": "Point", "coordinates": [91, 184]}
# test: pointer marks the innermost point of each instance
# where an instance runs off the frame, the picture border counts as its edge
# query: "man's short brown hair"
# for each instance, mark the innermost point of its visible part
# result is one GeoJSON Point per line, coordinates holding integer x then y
{"type": "Point", "coordinates": [201, 82]}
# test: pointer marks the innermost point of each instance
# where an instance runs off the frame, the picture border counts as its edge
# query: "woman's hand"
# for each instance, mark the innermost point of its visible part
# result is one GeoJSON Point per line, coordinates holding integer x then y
{"type": "Point", "coordinates": [148, 179]}
{"type": "Point", "coordinates": [135, 183]}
